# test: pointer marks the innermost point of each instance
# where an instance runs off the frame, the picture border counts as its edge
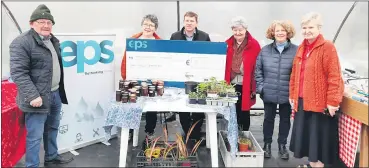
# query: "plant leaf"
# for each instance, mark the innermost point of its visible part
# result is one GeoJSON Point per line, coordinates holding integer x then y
{"type": "Point", "coordinates": [190, 130]}
{"type": "Point", "coordinates": [194, 149]}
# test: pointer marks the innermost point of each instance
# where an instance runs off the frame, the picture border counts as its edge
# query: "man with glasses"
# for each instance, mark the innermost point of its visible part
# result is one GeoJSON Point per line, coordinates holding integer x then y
{"type": "Point", "coordinates": [190, 32]}
{"type": "Point", "coordinates": [36, 68]}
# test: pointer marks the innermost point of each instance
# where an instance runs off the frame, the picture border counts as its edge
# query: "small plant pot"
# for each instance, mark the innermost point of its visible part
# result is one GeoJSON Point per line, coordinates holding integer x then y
{"type": "Point", "coordinates": [243, 147]}
{"type": "Point", "coordinates": [201, 101]}
{"type": "Point", "coordinates": [212, 94]}
{"type": "Point", "coordinates": [220, 103]}
{"type": "Point", "coordinates": [190, 86]}
{"type": "Point", "coordinates": [222, 94]}
{"type": "Point", "coordinates": [192, 101]}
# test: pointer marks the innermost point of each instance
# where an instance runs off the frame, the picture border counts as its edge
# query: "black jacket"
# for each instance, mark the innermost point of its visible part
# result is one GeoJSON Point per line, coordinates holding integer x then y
{"type": "Point", "coordinates": [198, 36]}
{"type": "Point", "coordinates": [31, 68]}
{"type": "Point", "coordinates": [272, 72]}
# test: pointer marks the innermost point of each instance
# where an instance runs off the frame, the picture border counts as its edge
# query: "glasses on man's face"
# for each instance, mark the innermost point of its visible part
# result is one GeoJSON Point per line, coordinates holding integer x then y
{"type": "Point", "coordinates": [148, 25]}
{"type": "Point", "coordinates": [42, 23]}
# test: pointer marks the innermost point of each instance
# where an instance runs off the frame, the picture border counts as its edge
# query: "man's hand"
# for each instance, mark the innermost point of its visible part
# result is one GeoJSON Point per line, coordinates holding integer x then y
{"type": "Point", "coordinates": [332, 110]}
{"type": "Point", "coordinates": [36, 102]}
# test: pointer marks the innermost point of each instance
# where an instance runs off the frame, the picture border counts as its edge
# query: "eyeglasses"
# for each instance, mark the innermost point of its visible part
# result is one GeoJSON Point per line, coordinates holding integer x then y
{"type": "Point", "coordinates": [148, 25]}
{"type": "Point", "coordinates": [44, 22]}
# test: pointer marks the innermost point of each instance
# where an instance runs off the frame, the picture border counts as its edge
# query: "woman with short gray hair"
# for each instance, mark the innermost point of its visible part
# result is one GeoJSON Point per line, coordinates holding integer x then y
{"type": "Point", "coordinates": [316, 91]}
{"type": "Point", "coordinates": [241, 56]}
{"type": "Point", "coordinates": [149, 25]}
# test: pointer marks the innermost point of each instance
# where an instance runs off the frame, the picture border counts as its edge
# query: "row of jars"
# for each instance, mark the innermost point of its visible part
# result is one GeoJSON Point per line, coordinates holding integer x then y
{"type": "Point", "coordinates": [130, 90]}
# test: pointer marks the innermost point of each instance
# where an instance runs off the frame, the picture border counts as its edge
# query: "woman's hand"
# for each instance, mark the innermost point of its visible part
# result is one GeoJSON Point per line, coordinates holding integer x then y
{"type": "Point", "coordinates": [253, 95]}
{"type": "Point", "coordinates": [332, 110]}
{"type": "Point", "coordinates": [291, 103]}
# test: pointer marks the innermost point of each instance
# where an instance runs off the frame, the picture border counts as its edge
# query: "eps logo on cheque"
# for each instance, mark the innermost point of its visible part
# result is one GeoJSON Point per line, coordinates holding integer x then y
{"type": "Point", "coordinates": [78, 49]}
{"type": "Point", "coordinates": [137, 44]}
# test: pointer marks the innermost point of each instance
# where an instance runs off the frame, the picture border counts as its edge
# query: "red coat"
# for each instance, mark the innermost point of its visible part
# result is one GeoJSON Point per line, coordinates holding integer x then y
{"type": "Point", "coordinates": [249, 60]}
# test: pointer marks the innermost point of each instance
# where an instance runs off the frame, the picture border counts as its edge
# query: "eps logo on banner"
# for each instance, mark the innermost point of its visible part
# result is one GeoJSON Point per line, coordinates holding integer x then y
{"type": "Point", "coordinates": [78, 52]}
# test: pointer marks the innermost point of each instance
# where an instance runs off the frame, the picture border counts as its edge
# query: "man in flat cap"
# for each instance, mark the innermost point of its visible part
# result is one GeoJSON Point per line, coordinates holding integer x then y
{"type": "Point", "coordinates": [36, 68]}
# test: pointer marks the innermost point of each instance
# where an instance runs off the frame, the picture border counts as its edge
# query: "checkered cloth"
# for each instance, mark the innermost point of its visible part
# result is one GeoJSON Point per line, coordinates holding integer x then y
{"type": "Point", "coordinates": [349, 134]}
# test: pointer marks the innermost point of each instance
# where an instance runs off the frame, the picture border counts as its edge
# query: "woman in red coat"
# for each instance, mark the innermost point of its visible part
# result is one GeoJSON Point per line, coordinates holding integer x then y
{"type": "Point", "coordinates": [149, 25]}
{"type": "Point", "coordinates": [242, 51]}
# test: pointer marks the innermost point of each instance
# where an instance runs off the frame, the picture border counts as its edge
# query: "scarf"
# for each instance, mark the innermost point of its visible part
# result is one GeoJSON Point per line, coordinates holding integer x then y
{"type": "Point", "coordinates": [237, 57]}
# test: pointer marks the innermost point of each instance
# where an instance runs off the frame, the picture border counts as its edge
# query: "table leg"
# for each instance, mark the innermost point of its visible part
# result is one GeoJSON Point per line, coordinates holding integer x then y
{"type": "Point", "coordinates": [135, 137]}
{"type": "Point", "coordinates": [363, 162]}
{"type": "Point", "coordinates": [207, 132]}
{"type": "Point", "coordinates": [212, 123]}
{"type": "Point", "coordinates": [123, 147]}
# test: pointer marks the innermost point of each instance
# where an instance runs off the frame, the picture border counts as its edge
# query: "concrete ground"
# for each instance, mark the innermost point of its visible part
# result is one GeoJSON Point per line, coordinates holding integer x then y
{"type": "Point", "coordinates": [100, 155]}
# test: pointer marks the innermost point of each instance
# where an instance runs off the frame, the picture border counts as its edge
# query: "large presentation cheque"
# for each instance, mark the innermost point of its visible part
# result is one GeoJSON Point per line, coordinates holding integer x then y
{"type": "Point", "coordinates": [175, 61]}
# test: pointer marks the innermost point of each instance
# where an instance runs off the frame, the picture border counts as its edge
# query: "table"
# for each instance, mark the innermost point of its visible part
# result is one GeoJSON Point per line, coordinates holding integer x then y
{"type": "Point", "coordinates": [13, 132]}
{"type": "Point", "coordinates": [359, 112]}
{"type": "Point", "coordinates": [177, 104]}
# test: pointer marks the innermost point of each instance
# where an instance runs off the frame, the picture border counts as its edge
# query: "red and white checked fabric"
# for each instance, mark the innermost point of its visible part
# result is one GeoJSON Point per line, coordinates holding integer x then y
{"type": "Point", "coordinates": [349, 134]}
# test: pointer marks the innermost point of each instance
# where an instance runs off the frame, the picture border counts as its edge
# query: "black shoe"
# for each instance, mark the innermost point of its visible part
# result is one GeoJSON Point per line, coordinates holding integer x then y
{"type": "Point", "coordinates": [58, 160]}
{"type": "Point", "coordinates": [267, 150]}
{"type": "Point", "coordinates": [283, 153]}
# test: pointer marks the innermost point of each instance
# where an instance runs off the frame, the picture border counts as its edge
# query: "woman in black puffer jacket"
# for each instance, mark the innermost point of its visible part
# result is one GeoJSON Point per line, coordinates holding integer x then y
{"type": "Point", "coordinates": [272, 75]}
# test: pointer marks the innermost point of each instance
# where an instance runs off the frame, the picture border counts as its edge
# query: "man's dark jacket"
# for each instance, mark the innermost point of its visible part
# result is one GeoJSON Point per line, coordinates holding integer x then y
{"type": "Point", "coordinates": [198, 36]}
{"type": "Point", "coordinates": [31, 69]}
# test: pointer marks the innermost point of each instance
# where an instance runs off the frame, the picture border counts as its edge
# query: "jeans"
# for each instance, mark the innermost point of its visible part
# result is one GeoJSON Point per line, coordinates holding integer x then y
{"type": "Point", "coordinates": [43, 125]}
{"type": "Point", "coordinates": [284, 122]}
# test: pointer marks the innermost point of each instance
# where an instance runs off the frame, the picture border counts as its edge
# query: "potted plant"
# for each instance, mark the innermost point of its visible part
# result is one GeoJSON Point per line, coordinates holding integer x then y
{"type": "Point", "coordinates": [201, 98]}
{"type": "Point", "coordinates": [243, 142]}
{"type": "Point", "coordinates": [192, 96]}
{"type": "Point", "coordinates": [231, 91]}
{"type": "Point", "coordinates": [213, 90]}
{"type": "Point", "coordinates": [203, 87]}
{"type": "Point", "coordinates": [182, 148]}
{"type": "Point", "coordinates": [222, 92]}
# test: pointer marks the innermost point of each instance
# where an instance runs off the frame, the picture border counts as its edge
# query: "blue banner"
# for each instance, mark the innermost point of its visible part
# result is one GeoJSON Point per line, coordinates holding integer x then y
{"type": "Point", "coordinates": [176, 46]}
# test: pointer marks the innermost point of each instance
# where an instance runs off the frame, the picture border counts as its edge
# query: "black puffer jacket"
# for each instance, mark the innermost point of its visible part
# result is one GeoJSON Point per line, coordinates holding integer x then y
{"type": "Point", "coordinates": [272, 72]}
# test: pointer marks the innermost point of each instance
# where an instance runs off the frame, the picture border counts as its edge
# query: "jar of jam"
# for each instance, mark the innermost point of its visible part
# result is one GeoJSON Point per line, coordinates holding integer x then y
{"type": "Point", "coordinates": [154, 82]}
{"type": "Point", "coordinates": [126, 85]}
{"type": "Point", "coordinates": [134, 83]}
{"type": "Point", "coordinates": [121, 84]}
{"type": "Point", "coordinates": [138, 91]}
{"type": "Point", "coordinates": [132, 98]}
{"type": "Point", "coordinates": [118, 96]}
{"type": "Point", "coordinates": [160, 90]}
{"type": "Point", "coordinates": [152, 87]}
{"type": "Point", "coordinates": [125, 97]}
{"type": "Point", "coordinates": [145, 91]}
{"type": "Point", "coordinates": [160, 83]}
{"type": "Point", "coordinates": [152, 91]}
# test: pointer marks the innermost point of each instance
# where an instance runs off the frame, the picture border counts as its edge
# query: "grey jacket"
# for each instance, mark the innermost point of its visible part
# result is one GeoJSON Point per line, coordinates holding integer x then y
{"type": "Point", "coordinates": [272, 72]}
{"type": "Point", "coordinates": [31, 70]}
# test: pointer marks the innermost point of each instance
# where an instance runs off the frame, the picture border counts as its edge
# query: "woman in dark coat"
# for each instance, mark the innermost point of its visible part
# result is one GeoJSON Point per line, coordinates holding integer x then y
{"type": "Point", "coordinates": [272, 75]}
